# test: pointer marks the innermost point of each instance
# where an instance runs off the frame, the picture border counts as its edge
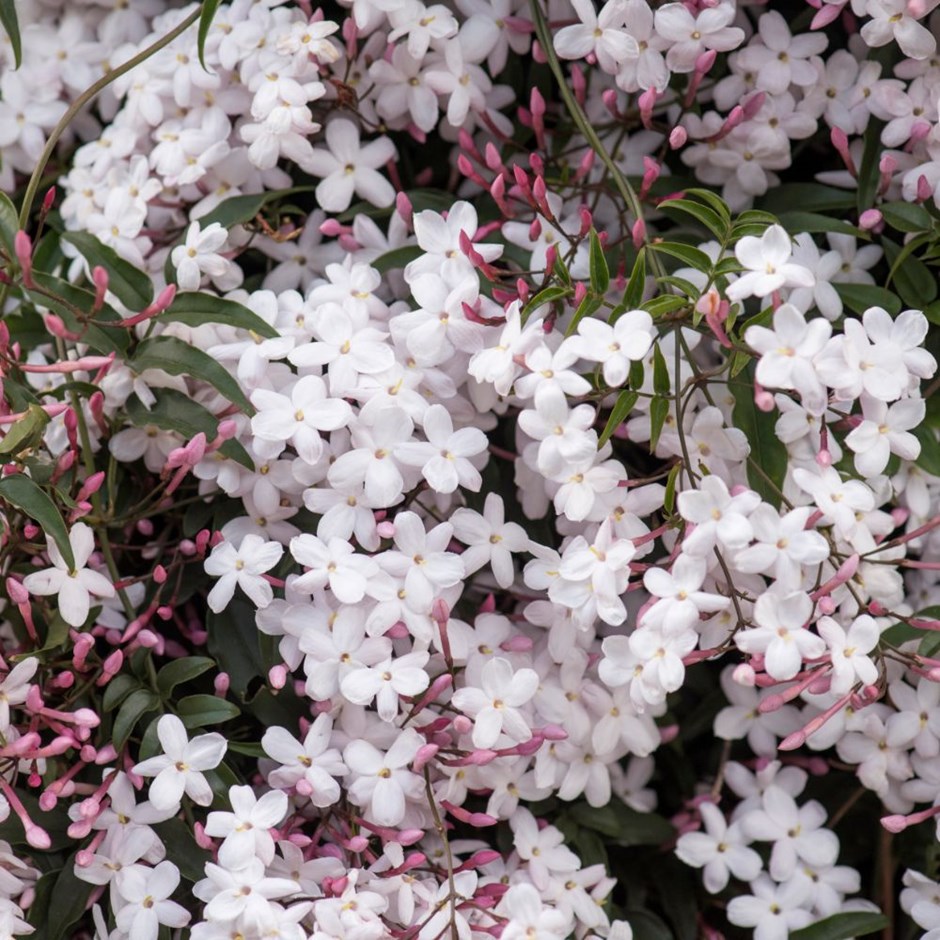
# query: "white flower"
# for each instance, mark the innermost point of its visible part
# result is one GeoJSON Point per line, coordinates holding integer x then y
{"type": "Point", "coordinates": [179, 769]}
{"type": "Point", "coordinates": [245, 829]}
{"type": "Point", "coordinates": [311, 766]}
{"type": "Point", "coordinates": [242, 566]}
{"type": "Point", "coordinates": [381, 783]}
{"type": "Point", "coordinates": [891, 19]}
{"type": "Point", "coordinates": [780, 634]}
{"type": "Point", "coordinates": [348, 167]}
{"type": "Point", "coordinates": [490, 539]}
{"type": "Point", "coordinates": [198, 255]}
{"type": "Point", "coordinates": [767, 263]}
{"type": "Point", "coordinates": [496, 705]}
{"type": "Point", "coordinates": [774, 909]}
{"type": "Point", "coordinates": [884, 431]}
{"type": "Point", "coordinates": [603, 34]}
{"type": "Point", "coordinates": [74, 586]}
{"type": "Point", "coordinates": [15, 687]}
{"type": "Point", "coordinates": [849, 649]}
{"type": "Point", "coordinates": [146, 893]}
{"type": "Point", "coordinates": [691, 35]}
{"type": "Point", "coordinates": [721, 850]}
{"type": "Point", "coordinates": [444, 458]}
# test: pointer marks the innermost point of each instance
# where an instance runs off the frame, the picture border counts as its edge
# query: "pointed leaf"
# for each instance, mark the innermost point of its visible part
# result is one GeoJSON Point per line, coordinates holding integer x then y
{"type": "Point", "coordinates": [12, 26]}
{"type": "Point", "coordinates": [130, 285]}
{"type": "Point", "coordinates": [843, 926]}
{"type": "Point", "coordinates": [201, 711]}
{"type": "Point", "coordinates": [600, 273]}
{"type": "Point", "coordinates": [135, 706]}
{"type": "Point", "coordinates": [209, 8]}
{"type": "Point", "coordinates": [23, 493]}
{"type": "Point", "coordinates": [181, 670]}
{"type": "Point", "coordinates": [174, 356]}
{"type": "Point", "coordinates": [626, 401]}
{"type": "Point", "coordinates": [196, 308]}
{"type": "Point", "coordinates": [767, 461]}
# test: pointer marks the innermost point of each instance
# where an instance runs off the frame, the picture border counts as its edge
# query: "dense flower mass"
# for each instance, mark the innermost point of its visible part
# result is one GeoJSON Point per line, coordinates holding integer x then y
{"type": "Point", "coordinates": [469, 470]}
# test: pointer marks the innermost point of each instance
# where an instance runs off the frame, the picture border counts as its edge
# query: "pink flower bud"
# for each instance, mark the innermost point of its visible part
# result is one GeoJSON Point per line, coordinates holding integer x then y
{"type": "Point", "coordinates": [870, 219]}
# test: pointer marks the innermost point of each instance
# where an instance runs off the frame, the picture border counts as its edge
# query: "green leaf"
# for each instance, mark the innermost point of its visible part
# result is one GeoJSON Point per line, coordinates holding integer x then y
{"type": "Point", "coordinates": [397, 258]}
{"type": "Point", "coordinates": [181, 846]}
{"type": "Point", "coordinates": [767, 461]}
{"type": "Point", "coordinates": [547, 295]}
{"type": "Point", "coordinates": [174, 356]}
{"type": "Point", "coordinates": [859, 297]}
{"type": "Point", "coordinates": [869, 173]}
{"type": "Point", "coordinates": [664, 304]}
{"type": "Point", "coordinates": [181, 670]}
{"type": "Point", "coordinates": [600, 273]}
{"type": "Point", "coordinates": [590, 305]}
{"type": "Point", "coordinates": [636, 285]}
{"type": "Point", "coordinates": [912, 278]}
{"type": "Point", "coordinates": [669, 500]}
{"type": "Point", "coordinates": [687, 254]}
{"type": "Point", "coordinates": [199, 711]}
{"type": "Point", "coordinates": [130, 285]}
{"type": "Point", "coordinates": [118, 689]}
{"type": "Point", "coordinates": [717, 224]}
{"type": "Point", "coordinates": [23, 493]}
{"type": "Point", "coordinates": [196, 308]}
{"type": "Point", "coordinates": [9, 221]}
{"type": "Point", "coordinates": [929, 458]}
{"type": "Point", "coordinates": [173, 411]}
{"type": "Point", "coordinates": [659, 410]}
{"type": "Point", "coordinates": [12, 26]}
{"type": "Point", "coordinates": [796, 222]}
{"type": "Point", "coordinates": [233, 641]}
{"type": "Point", "coordinates": [906, 216]}
{"type": "Point", "coordinates": [813, 197]}
{"type": "Point", "coordinates": [209, 8]}
{"type": "Point", "coordinates": [625, 403]}
{"type": "Point", "coordinates": [26, 434]}
{"type": "Point", "coordinates": [842, 926]}
{"type": "Point", "coordinates": [623, 825]}
{"type": "Point", "coordinates": [135, 706]}
{"type": "Point", "coordinates": [66, 899]}
{"type": "Point", "coordinates": [661, 381]}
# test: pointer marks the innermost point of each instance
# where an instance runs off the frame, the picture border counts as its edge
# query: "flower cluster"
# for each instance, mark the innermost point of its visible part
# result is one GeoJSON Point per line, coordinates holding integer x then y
{"type": "Point", "coordinates": [408, 467]}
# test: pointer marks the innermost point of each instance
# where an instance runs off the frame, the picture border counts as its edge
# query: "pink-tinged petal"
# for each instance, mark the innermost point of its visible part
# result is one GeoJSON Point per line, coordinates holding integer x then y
{"type": "Point", "coordinates": [487, 727]}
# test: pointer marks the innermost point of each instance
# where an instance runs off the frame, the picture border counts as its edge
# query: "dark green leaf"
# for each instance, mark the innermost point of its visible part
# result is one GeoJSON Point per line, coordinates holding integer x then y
{"type": "Point", "coordinates": [687, 254]}
{"type": "Point", "coordinates": [625, 403]}
{"type": "Point", "coordinates": [669, 500]}
{"type": "Point", "coordinates": [397, 258]}
{"type": "Point", "coordinates": [9, 221]}
{"type": "Point", "coordinates": [912, 278]}
{"type": "Point", "coordinates": [233, 641]}
{"type": "Point", "coordinates": [547, 295]}
{"type": "Point", "coordinates": [664, 304]}
{"type": "Point", "coordinates": [209, 8]}
{"type": "Point", "coordinates": [600, 273]}
{"type": "Point", "coordinates": [869, 173]}
{"type": "Point", "coordinates": [173, 411]}
{"type": "Point", "coordinates": [20, 491]}
{"type": "Point", "coordinates": [929, 458]}
{"type": "Point", "coordinates": [661, 381]}
{"type": "Point", "coordinates": [707, 216]}
{"type": "Point", "coordinates": [796, 222]}
{"type": "Point", "coordinates": [12, 26]}
{"type": "Point", "coordinates": [812, 197]}
{"type": "Point", "coordinates": [135, 706]}
{"type": "Point", "coordinates": [636, 285]}
{"type": "Point", "coordinates": [182, 848]}
{"type": "Point", "coordinates": [67, 899]}
{"type": "Point", "coordinates": [26, 434]}
{"type": "Point", "coordinates": [842, 926]}
{"type": "Point", "coordinates": [623, 825]}
{"type": "Point", "coordinates": [659, 410]}
{"type": "Point", "coordinates": [181, 670]}
{"type": "Point", "coordinates": [906, 216]}
{"type": "Point", "coordinates": [174, 356]}
{"type": "Point", "coordinates": [590, 305]}
{"type": "Point", "coordinates": [767, 461]}
{"type": "Point", "coordinates": [712, 199]}
{"type": "Point", "coordinates": [130, 285]}
{"type": "Point", "coordinates": [859, 297]}
{"type": "Point", "coordinates": [199, 711]}
{"type": "Point", "coordinates": [647, 926]}
{"type": "Point", "coordinates": [196, 308]}
{"type": "Point", "coordinates": [118, 689]}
